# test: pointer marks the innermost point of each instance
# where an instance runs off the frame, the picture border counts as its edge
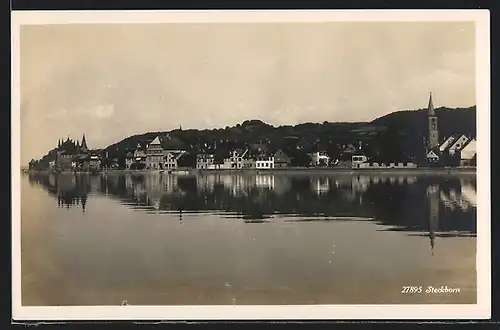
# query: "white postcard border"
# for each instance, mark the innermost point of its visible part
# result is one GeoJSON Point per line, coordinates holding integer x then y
{"type": "Point", "coordinates": [481, 310]}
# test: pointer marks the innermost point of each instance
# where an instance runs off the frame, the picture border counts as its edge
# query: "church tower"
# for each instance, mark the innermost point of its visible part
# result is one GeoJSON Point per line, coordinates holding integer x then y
{"type": "Point", "coordinates": [83, 147]}
{"type": "Point", "coordinates": [433, 141]}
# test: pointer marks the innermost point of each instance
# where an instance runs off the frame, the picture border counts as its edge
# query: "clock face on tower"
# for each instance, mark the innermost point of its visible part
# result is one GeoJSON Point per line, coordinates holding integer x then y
{"type": "Point", "coordinates": [433, 122]}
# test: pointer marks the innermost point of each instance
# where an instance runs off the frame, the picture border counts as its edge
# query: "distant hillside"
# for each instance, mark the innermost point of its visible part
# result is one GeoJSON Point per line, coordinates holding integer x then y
{"type": "Point", "coordinates": [408, 129]}
{"type": "Point", "coordinates": [450, 121]}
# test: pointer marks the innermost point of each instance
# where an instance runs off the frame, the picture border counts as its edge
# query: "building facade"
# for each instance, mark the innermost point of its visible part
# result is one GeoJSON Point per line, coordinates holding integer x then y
{"type": "Point", "coordinates": [155, 155]}
{"type": "Point", "coordinates": [237, 160]}
{"type": "Point", "coordinates": [281, 159]}
{"type": "Point", "coordinates": [171, 159]}
{"type": "Point", "coordinates": [320, 158]}
{"type": "Point", "coordinates": [205, 161]}
{"type": "Point", "coordinates": [264, 162]}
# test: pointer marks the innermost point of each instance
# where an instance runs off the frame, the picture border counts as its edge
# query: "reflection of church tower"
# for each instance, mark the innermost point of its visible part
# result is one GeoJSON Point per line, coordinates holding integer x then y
{"type": "Point", "coordinates": [433, 126]}
{"type": "Point", "coordinates": [433, 198]}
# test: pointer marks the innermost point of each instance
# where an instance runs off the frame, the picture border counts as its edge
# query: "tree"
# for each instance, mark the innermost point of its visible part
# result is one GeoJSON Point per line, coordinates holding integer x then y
{"type": "Point", "coordinates": [300, 159]}
{"type": "Point", "coordinates": [106, 162]}
{"type": "Point", "coordinates": [187, 160]}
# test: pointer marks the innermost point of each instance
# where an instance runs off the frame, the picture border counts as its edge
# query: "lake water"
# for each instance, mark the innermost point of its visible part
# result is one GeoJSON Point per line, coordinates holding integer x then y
{"type": "Point", "coordinates": [224, 239]}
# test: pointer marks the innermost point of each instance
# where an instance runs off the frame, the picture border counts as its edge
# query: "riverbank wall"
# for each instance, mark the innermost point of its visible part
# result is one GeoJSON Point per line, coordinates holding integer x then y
{"type": "Point", "coordinates": [298, 171]}
{"type": "Point", "coordinates": [351, 171]}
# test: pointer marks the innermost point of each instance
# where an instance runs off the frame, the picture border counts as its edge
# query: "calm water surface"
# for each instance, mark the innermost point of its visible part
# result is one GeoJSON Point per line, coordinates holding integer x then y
{"type": "Point", "coordinates": [246, 239]}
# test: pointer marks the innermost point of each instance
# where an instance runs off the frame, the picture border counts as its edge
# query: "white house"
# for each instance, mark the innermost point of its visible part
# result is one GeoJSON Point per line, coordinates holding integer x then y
{"type": "Point", "coordinates": [319, 158]}
{"type": "Point", "coordinates": [237, 160]}
{"type": "Point", "coordinates": [457, 144]}
{"type": "Point", "coordinates": [171, 158]}
{"type": "Point", "coordinates": [95, 162]}
{"type": "Point", "coordinates": [264, 162]}
{"type": "Point", "coordinates": [205, 161]}
{"type": "Point", "coordinates": [358, 160]}
{"type": "Point", "coordinates": [139, 151]}
{"type": "Point", "coordinates": [433, 156]}
{"type": "Point", "coordinates": [468, 153]}
{"type": "Point", "coordinates": [447, 143]}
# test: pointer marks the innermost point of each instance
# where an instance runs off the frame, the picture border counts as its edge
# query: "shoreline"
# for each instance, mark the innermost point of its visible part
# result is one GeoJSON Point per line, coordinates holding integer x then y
{"type": "Point", "coordinates": [290, 170]}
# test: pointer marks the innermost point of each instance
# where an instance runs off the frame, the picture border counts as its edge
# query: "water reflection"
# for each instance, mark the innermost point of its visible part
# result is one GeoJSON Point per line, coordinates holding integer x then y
{"type": "Point", "coordinates": [431, 206]}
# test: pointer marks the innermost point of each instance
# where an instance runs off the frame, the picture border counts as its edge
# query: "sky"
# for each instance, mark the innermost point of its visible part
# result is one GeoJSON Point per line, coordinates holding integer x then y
{"type": "Point", "coordinates": [113, 81]}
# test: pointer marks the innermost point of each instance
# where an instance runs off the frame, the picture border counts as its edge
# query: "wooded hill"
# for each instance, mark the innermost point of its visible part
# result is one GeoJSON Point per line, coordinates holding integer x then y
{"type": "Point", "coordinates": [396, 136]}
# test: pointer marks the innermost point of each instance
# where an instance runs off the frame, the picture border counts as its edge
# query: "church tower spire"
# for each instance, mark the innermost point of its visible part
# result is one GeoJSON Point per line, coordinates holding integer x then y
{"type": "Point", "coordinates": [83, 147]}
{"type": "Point", "coordinates": [433, 141]}
{"type": "Point", "coordinates": [430, 107]}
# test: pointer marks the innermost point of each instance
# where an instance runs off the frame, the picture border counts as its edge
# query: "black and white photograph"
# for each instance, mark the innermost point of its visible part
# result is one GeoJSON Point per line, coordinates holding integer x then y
{"type": "Point", "coordinates": [251, 165]}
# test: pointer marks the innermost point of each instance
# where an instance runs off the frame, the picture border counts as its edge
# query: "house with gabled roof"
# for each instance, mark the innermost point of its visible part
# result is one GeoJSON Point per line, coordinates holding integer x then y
{"type": "Point", "coordinates": [162, 152]}
{"type": "Point", "coordinates": [434, 155]}
{"type": "Point", "coordinates": [154, 154]}
{"type": "Point", "coordinates": [456, 150]}
{"type": "Point", "coordinates": [31, 164]}
{"type": "Point", "coordinates": [457, 144]}
{"type": "Point", "coordinates": [281, 159]}
{"type": "Point", "coordinates": [264, 160]}
{"type": "Point", "coordinates": [129, 158]}
{"type": "Point", "coordinates": [238, 159]}
{"type": "Point", "coordinates": [170, 160]}
{"type": "Point", "coordinates": [205, 161]}
{"type": "Point", "coordinates": [468, 153]}
{"type": "Point", "coordinates": [358, 158]}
